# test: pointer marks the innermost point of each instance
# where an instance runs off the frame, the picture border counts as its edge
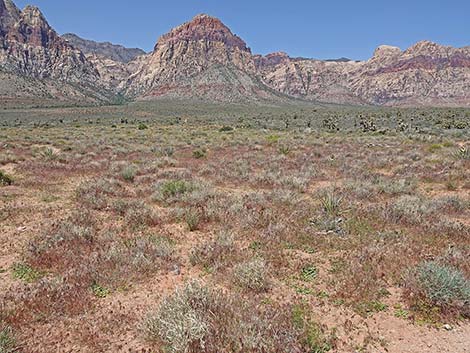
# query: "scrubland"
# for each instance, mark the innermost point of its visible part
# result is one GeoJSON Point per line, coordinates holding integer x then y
{"type": "Point", "coordinates": [189, 227]}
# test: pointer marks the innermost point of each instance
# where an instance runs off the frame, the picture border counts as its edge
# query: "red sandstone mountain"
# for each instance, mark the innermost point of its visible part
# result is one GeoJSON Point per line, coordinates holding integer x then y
{"type": "Point", "coordinates": [204, 59]}
{"type": "Point", "coordinates": [201, 58]}
{"type": "Point", "coordinates": [30, 49]}
{"type": "Point", "coordinates": [424, 74]}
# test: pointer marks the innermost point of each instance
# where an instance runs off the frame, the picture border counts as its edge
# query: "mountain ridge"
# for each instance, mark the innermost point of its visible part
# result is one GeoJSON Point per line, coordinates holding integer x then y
{"type": "Point", "coordinates": [203, 58]}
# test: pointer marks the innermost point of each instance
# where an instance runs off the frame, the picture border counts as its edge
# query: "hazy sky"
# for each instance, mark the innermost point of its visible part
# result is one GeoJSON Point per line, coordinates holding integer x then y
{"type": "Point", "coordinates": [309, 28]}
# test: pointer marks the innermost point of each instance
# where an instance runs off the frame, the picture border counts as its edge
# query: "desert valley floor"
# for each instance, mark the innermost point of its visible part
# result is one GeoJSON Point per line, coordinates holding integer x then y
{"type": "Point", "coordinates": [193, 227]}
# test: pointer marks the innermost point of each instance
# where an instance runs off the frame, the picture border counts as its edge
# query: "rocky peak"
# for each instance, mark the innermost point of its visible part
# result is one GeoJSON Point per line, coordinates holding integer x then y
{"type": "Point", "coordinates": [271, 60]}
{"type": "Point", "coordinates": [32, 29]}
{"type": "Point", "coordinates": [9, 14]}
{"type": "Point", "coordinates": [386, 51]}
{"type": "Point", "coordinates": [203, 27]}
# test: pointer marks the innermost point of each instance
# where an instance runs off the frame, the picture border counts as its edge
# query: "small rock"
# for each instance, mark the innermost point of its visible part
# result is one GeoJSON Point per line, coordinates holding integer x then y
{"type": "Point", "coordinates": [447, 327]}
{"type": "Point", "coordinates": [21, 229]}
{"type": "Point", "coordinates": [176, 270]}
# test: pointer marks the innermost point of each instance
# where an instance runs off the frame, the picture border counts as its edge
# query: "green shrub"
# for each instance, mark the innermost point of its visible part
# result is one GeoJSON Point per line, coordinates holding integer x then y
{"type": "Point", "coordinates": [172, 190]}
{"type": "Point", "coordinates": [142, 126]}
{"type": "Point", "coordinates": [308, 273]}
{"type": "Point", "coordinates": [313, 334]}
{"type": "Point", "coordinates": [200, 153]}
{"type": "Point", "coordinates": [99, 291]}
{"type": "Point", "coordinates": [25, 272]}
{"type": "Point", "coordinates": [443, 284]}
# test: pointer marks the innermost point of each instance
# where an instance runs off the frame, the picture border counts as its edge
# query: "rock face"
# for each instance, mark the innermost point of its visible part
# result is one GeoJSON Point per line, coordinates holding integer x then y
{"type": "Point", "coordinates": [425, 74]}
{"type": "Point", "coordinates": [104, 50]}
{"type": "Point", "coordinates": [204, 59]}
{"type": "Point", "coordinates": [201, 58]}
{"type": "Point", "coordinates": [31, 48]}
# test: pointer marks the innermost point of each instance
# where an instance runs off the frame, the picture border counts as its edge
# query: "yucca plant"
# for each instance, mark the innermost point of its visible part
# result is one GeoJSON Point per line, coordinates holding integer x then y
{"type": "Point", "coordinates": [331, 203]}
{"type": "Point", "coordinates": [462, 153]}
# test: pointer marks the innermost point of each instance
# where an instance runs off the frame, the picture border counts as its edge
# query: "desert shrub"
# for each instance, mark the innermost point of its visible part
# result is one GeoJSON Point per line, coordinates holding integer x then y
{"type": "Point", "coordinates": [64, 233]}
{"type": "Point", "coordinates": [411, 209]}
{"type": "Point", "coordinates": [215, 252]}
{"type": "Point", "coordinates": [94, 193]}
{"type": "Point", "coordinates": [128, 173]}
{"type": "Point", "coordinates": [5, 179]}
{"type": "Point", "coordinates": [451, 203]}
{"type": "Point", "coordinates": [172, 189]}
{"type": "Point", "coordinates": [199, 153]}
{"type": "Point", "coordinates": [142, 126]}
{"type": "Point", "coordinates": [193, 218]}
{"type": "Point", "coordinates": [368, 188]}
{"type": "Point", "coordinates": [137, 214]}
{"type": "Point", "coordinates": [181, 321]}
{"type": "Point", "coordinates": [133, 259]}
{"type": "Point", "coordinates": [197, 318]}
{"type": "Point", "coordinates": [252, 275]}
{"type": "Point", "coordinates": [7, 340]}
{"type": "Point", "coordinates": [441, 285]}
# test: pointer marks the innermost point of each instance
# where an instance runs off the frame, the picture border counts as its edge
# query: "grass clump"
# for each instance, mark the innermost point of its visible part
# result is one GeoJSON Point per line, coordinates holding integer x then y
{"type": "Point", "coordinates": [193, 219]}
{"type": "Point", "coordinates": [7, 340]}
{"type": "Point", "coordinates": [128, 173]}
{"type": "Point", "coordinates": [462, 153]}
{"type": "Point", "coordinates": [252, 275]}
{"type": "Point", "coordinates": [5, 179]}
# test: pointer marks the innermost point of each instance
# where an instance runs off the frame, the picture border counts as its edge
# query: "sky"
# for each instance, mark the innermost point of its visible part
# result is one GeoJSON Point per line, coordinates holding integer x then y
{"type": "Point", "coordinates": [308, 28]}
